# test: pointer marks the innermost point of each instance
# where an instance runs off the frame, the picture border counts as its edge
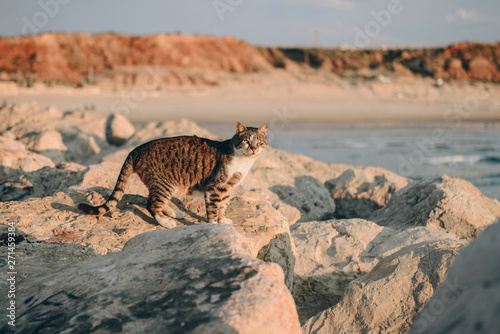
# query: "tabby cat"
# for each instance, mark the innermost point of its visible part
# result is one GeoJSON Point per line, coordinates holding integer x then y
{"type": "Point", "coordinates": [178, 165]}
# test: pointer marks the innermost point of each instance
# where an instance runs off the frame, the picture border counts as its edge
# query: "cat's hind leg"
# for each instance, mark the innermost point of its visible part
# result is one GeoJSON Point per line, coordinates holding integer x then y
{"type": "Point", "coordinates": [160, 210]}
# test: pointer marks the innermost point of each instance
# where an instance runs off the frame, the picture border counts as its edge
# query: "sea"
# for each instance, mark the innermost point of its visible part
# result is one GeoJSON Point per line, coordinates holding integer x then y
{"type": "Point", "coordinates": [470, 151]}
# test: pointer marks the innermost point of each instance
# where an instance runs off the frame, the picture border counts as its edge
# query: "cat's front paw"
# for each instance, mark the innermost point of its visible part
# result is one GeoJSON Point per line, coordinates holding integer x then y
{"type": "Point", "coordinates": [226, 221]}
{"type": "Point", "coordinates": [166, 222]}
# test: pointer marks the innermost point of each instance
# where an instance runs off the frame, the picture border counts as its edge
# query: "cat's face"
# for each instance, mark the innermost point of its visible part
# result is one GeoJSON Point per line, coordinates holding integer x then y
{"type": "Point", "coordinates": [249, 142]}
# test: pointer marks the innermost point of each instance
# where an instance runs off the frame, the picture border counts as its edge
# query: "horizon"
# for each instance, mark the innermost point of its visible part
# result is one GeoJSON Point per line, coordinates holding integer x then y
{"type": "Point", "coordinates": [278, 23]}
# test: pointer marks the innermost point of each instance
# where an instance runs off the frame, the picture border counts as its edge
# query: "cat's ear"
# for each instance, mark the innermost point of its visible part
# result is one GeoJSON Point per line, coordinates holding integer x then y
{"type": "Point", "coordinates": [263, 129]}
{"type": "Point", "coordinates": [240, 127]}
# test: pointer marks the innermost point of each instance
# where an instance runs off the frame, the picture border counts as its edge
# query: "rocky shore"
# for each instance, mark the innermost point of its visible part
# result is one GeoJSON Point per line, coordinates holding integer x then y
{"type": "Point", "coordinates": [315, 247]}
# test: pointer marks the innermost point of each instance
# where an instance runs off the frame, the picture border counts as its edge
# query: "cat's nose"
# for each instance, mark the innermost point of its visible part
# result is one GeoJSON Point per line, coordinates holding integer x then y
{"type": "Point", "coordinates": [253, 148]}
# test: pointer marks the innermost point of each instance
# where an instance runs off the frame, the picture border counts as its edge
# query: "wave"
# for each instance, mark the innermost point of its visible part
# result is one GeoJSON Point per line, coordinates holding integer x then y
{"type": "Point", "coordinates": [454, 159]}
{"type": "Point", "coordinates": [354, 144]}
{"type": "Point", "coordinates": [492, 159]}
{"type": "Point", "coordinates": [463, 159]}
{"type": "Point", "coordinates": [485, 149]}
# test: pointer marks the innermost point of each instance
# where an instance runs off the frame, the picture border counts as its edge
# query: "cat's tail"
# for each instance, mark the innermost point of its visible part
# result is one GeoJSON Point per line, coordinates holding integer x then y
{"type": "Point", "coordinates": [125, 173]}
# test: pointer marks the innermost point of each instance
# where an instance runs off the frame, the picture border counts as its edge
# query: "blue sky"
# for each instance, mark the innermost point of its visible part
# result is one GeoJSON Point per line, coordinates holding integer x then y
{"type": "Point", "coordinates": [328, 23]}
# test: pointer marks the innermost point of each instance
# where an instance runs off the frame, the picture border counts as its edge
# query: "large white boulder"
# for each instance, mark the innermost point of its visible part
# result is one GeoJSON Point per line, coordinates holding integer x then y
{"type": "Point", "coordinates": [118, 129]}
{"type": "Point", "coordinates": [48, 143]}
{"type": "Point", "coordinates": [387, 299]}
{"type": "Point", "coordinates": [197, 279]}
{"type": "Point", "coordinates": [445, 204]}
{"type": "Point", "coordinates": [15, 159]}
{"type": "Point", "coordinates": [469, 299]}
{"type": "Point", "coordinates": [331, 254]}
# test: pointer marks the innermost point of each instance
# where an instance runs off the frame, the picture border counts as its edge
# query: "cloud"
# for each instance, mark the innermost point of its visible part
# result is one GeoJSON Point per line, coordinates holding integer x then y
{"type": "Point", "coordinates": [464, 15]}
{"type": "Point", "coordinates": [324, 4]}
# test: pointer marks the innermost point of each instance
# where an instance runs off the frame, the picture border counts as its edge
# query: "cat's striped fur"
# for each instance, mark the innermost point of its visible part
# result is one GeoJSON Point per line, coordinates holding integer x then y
{"type": "Point", "coordinates": [184, 164]}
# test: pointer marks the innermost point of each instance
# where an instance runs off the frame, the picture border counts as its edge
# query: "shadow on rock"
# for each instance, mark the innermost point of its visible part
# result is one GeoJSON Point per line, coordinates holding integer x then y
{"type": "Point", "coordinates": [36, 257]}
{"type": "Point", "coordinates": [135, 204]}
{"type": "Point", "coordinates": [355, 207]}
{"type": "Point", "coordinates": [359, 191]}
{"type": "Point", "coordinates": [278, 251]}
{"type": "Point", "coordinates": [41, 183]}
{"type": "Point", "coordinates": [181, 206]}
{"type": "Point", "coordinates": [309, 196]}
{"type": "Point", "coordinates": [331, 254]}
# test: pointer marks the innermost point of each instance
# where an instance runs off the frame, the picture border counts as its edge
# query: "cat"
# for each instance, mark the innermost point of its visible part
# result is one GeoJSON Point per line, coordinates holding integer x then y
{"type": "Point", "coordinates": [179, 165]}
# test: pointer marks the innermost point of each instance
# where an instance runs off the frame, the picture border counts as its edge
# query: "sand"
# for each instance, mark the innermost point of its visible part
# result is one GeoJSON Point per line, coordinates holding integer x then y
{"type": "Point", "coordinates": [280, 99]}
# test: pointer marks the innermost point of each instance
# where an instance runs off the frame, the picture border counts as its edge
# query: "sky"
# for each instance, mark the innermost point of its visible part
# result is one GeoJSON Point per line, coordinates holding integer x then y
{"type": "Point", "coordinates": [322, 23]}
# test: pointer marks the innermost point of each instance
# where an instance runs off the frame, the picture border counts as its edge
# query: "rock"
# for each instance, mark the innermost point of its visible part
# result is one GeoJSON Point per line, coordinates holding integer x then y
{"type": "Point", "coordinates": [273, 167]}
{"type": "Point", "coordinates": [42, 182]}
{"type": "Point", "coordinates": [83, 133]}
{"type": "Point", "coordinates": [279, 176]}
{"type": "Point", "coordinates": [48, 143]}
{"type": "Point", "coordinates": [51, 133]}
{"type": "Point", "coordinates": [105, 175]}
{"type": "Point", "coordinates": [17, 121]}
{"type": "Point", "coordinates": [384, 245]}
{"type": "Point", "coordinates": [276, 167]}
{"type": "Point", "coordinates": [387, 299]}
{"type": "Point", "coordinates": [57, 218]}
{"type": "Point", "coordinates": [151, 131]}
{"type": "Point", "coordinates": [15, 159]}
{"type": "Point", "coordinates": [446, 204]}
{"type": "Point", "coordinates": [76, 121]}
{"type": "Point", "coordinates": [113, 155]}
{"type": "Point", "coordinates": [330, 254]}
{"type": "Point", "coordinates": [359, 191]}
{"type": "Point", "coordinates": [265, 229]}
{"type": "Point", "coordinates": [34, 256]}
{"type": "Point", "coordinates": [468, 300]}
{"type": "Point", "coordinates": [197, 279]}
{"type": "Point", "coordinates": [81, 147]}
{"type": "Point", "coordinates": [291, 213]}
{"type": "Point", "coordinates": [154, 130]}
{"type": "Point", "coordinates": [309, 196]}
{"type": "Point", "coordinates": [118, 129]}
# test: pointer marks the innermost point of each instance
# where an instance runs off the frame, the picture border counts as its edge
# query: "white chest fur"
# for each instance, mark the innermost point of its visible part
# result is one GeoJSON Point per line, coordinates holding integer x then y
{"type": "Point", "coordinates": [240, 165]}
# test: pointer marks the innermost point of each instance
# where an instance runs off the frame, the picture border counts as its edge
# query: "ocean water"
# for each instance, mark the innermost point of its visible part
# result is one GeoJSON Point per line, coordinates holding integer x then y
{"type": "Point", "coordinates": [471, 152]}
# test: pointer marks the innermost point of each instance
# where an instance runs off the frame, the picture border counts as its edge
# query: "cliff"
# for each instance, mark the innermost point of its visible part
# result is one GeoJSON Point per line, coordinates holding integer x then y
{"type": "Point", "coordinates": [117, 59]}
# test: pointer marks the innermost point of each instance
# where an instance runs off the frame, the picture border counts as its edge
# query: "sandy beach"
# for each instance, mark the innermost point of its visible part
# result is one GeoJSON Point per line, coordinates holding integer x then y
{"type": "Point", "coordinates": [279, 98]}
